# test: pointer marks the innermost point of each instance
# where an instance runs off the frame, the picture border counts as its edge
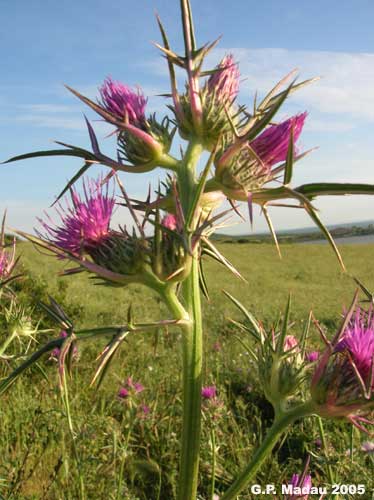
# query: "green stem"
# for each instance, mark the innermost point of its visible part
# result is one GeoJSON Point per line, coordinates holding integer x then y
{"type": "Point", "coordinates": [192, 340]}
{"type": "Point", "coordinates": [6, 343]}
{"type": "Point", "coordinates": [65, 399]}
{"type": "Point", "coordinates": [325, 451]}
{"type": "Point", "coordinates": [169, 162]}
{"type": "Point", "coordinates": [213, 444]}
{"type": "Point", "coordinates": [192, 382]}
{"type": "Point", "coordinates": [279, 426]}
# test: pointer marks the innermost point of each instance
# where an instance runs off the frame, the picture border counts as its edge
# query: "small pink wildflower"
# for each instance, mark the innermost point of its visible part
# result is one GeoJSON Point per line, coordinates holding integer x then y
{"type": "Point", "coordinates": [312, 356]}
{"type": "Point", "coordinates": [290, 342]}
{"type": "Point", "coordinates": [170, 222]}
{"type": "Point", "coordinates": [209, 392]}
{"type": "Point", "coordinates": [123, 393]}
{"type": "Point", "coordinates": [130, 388]}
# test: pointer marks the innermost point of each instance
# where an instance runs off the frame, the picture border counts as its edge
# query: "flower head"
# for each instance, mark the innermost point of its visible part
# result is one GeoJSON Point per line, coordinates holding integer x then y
{"type": "Point", "coordinates": [85, 221]}
{"type": "Point", "coordinates": [225, 80]}
{"type": "Point", "coordinates": [358, 341]}
{"type": "Point", "coordinates": [290, 342]}
{"type": "Point", "coordinates": [123, 393]}
{"type": "Point", "coordinates": [343, 382]}
{"type": "Point", "coordinates": [130, 389]}
{"type": "Point", "coordinates": [122, 102]}
{"type": "Point", "coordinates": [170, 222]}
{"type": "Point", "coordinates": [301, 487]}
{"type": "Point", "coordinates": [272, 145]}
{"type": "Point", "coordinates": [209, 392]}
{"type": "Point", "coordinates": [242, 168]}
{"type": "Point", "coordinates": [312, 356]}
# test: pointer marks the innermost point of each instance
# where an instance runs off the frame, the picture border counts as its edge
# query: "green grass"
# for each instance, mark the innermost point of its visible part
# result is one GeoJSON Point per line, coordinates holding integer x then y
{"type": "Point", "coordinates": [127, 455]}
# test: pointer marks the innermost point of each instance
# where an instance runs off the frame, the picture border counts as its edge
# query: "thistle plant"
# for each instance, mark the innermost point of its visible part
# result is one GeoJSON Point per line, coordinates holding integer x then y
{"type": "Point", "coordinates": [251, 158]}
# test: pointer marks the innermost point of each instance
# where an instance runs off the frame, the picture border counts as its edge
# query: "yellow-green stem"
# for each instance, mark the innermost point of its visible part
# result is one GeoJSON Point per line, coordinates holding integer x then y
{"type": "Point", "coordinates": [192, 342]}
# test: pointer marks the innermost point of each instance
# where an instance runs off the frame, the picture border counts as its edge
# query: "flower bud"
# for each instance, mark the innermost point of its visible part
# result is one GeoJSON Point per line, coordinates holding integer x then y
{"type": "Point", "coordinates": [146, 147]}
{"type": "Point", "coordinates": [244, 168]}
{"type": "Point", "coordinates": [121, 253]}
{"type": "Point", "coordinates": [216, 99]}
{"type": "Point", "coordinates": [281, 372]}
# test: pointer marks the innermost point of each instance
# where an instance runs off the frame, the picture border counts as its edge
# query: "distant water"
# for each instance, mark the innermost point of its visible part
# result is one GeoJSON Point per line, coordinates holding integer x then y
{"type": "Point", "coordinates": [349, 240]}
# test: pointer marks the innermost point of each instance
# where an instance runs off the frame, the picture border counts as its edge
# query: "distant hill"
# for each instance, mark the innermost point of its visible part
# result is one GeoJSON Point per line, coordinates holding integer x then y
{"type": "Point", "coordinates": [361, 228]}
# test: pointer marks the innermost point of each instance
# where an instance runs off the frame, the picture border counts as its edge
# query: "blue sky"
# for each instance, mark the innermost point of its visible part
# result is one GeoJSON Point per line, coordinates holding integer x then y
{"type": "Point", "coordinates": [45, 44]}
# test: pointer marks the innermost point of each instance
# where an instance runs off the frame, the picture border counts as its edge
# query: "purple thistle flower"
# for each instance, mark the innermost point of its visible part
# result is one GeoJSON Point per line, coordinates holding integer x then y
{"type": "Point", "coordinates": [225, 81]}
{"type": "Point", "coordinates": [312, 356]}
{"type": "Point", "coordinates": [272, 145]}
{"type": "Point", "coordinates": [123, 393]}
{"type": "Point", "coordinates": [343, 382]}
{"type": "Point", "coordinates": [358, 340]}
{"type": "Point", "coordinates": [122, 102]}
{"type": "Point", "coordinates": [301, 486]}
{"type": "Point", "coordinates": [209, 392]}
{"type": "Point", "coordinates": [84, 222]}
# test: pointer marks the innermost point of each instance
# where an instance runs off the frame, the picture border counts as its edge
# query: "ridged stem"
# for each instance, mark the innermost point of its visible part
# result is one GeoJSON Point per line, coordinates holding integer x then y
{"type": "Point", "coordinates": [277, 429]}
{"type": "Point", "coordinates": [192, 342]}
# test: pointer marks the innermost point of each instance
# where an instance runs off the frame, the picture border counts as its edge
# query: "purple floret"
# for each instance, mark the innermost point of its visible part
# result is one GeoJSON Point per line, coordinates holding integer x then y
{"type": "Point", "coordinates": [123, 102]}
{"type": "Point", "coordinates": [272, 145]}
{"type": "Point", "coordinates": [84, 221]}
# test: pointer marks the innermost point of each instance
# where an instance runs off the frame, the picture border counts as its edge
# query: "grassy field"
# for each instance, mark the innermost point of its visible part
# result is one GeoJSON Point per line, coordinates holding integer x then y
{"type": "Point", "coordinates": [128, 453]}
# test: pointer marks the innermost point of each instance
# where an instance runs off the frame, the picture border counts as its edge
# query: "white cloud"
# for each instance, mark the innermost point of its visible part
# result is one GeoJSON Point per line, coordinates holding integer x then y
{"type": "Point", "coordinates": [346, 85]}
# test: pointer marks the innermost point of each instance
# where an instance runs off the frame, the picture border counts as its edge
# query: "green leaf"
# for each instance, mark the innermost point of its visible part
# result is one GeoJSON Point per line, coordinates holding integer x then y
{"type": "Point", "coordinates": [334, 188]}
{"type": "Point", "coordinates": [289, 160]}
{"type": "Point", "coordinates": [293, 88]}
{"type": "Point", "coordinates": [266, 102]}
{"type": "Point", "coordinates": [52, 152]}
{"type": "Point", "coordinates": [281, 339]}
{"type": "Point", "coordinates": [73, 180]}
{"type": "Point", "coordinates": [272, 230]}
{"type": "Point", "coordinates": [202, 281]}
{"type": "Point", "coordinates": [249, 316]}
{"type": "Point", "coordinates": [261, 124]}
{"type": "Point", "coordinates": [314, 216]}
